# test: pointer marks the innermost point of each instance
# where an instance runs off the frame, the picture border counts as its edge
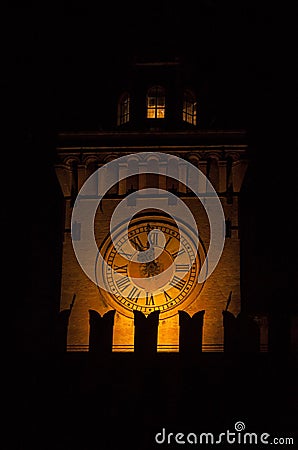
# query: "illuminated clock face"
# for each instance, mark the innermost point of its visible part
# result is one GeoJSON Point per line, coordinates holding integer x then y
{"type": "Point", "coordinates": [151, 266]}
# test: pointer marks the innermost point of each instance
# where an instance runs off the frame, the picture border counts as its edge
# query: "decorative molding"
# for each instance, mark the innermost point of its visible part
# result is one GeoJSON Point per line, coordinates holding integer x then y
{"type": "Point", "coordinates": [67, 157]}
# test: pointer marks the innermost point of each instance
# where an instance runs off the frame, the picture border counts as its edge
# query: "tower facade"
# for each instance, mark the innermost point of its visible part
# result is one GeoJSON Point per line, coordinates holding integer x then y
{"type": "Point", "coordinates": [157, 159]}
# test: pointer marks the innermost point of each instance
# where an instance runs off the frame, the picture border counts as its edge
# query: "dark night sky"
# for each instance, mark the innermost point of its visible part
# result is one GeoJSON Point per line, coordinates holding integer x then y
{"type": "Point", "coordinates": [60, 65]}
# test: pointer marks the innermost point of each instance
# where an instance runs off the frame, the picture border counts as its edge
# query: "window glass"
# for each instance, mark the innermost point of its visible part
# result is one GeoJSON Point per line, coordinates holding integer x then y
{"type": "Point", "coordinates": [123, 109]}
{"type": "Point", "coordinates": [189, 113]}
{"type": "Point", "coordinates": [156, 103]}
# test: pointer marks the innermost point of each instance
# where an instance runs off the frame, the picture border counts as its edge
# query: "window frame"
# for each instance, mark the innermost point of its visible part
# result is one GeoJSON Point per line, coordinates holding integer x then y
{"type": "Point", "coordinates": [189, 108]}
{"type": "Point", "coordinates": [123, 115]}
{"type": "Point", "coordinates": [156, 102]}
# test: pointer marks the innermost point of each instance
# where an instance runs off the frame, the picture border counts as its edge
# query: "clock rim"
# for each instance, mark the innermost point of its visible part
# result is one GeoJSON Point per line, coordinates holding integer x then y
{"type": "Point", "coordinates": [139, 219]}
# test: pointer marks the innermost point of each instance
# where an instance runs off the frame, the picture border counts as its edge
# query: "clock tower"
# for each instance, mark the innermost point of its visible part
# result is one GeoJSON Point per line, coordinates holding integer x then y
{"type": "Point", "coordinates": [151, 180]}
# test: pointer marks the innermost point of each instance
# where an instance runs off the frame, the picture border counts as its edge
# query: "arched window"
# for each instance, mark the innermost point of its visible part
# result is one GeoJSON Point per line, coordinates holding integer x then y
{"type": "Point", "coordinates": [189, 108]}
{"type": "Point", "coordinates": [156, 103]}
{"type": "Point", "coordinates": [123, 109]}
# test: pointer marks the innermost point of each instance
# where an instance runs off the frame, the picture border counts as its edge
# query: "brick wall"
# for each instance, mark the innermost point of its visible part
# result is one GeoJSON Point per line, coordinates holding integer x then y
{"type": "Point", "coordinates": [212, 297]}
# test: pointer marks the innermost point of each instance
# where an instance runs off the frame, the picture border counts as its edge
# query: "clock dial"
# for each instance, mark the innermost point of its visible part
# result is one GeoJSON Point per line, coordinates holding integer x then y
{"type": "Point", "coordinates": [151, 267]}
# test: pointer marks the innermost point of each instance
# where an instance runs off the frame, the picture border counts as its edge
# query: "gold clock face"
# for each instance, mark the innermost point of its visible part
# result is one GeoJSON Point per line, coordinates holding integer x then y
{"type": "Point", "coordinates": [151, 266]}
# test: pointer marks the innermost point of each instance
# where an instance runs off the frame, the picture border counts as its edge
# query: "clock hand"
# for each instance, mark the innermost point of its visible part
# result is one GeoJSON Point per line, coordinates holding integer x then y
{"type": "Point", "coordinates": [150, 244]}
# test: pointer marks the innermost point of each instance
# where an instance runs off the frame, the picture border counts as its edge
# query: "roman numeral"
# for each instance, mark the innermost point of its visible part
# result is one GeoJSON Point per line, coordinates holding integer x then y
{"type": "Point", "coordinates": [177, 283]}
{"type": "Point", "coordinates": [138, 244]}
{"type": "Point", "coordinates": [180, 252]}
{"type": "Point", "coordinates": [153, 238]}
{"type": "Point", "coordinates": [123, 283]}
{"type": "Point", "coordinates": [149, 299]}
{"type": "Point", "coordinates": [120, 269]}
{"type": "Point", "coordinates": [167, 296]}
{"type": "Point", "coordinates": [134, 294]}
{"type": "Point", "coordinates": [168, 241]}
{"type": "Point", "coordinates": [182, 267]}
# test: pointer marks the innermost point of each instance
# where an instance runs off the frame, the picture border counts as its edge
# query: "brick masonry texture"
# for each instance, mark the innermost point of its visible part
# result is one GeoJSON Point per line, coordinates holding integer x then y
{"type": "Point", "coordinates": [212, 297]}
